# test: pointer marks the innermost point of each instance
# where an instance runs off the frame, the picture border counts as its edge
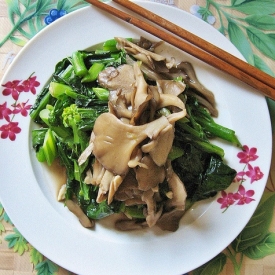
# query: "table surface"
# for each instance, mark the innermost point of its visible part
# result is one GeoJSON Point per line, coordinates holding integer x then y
{"type": "Point", "coordinates": [29, 261]}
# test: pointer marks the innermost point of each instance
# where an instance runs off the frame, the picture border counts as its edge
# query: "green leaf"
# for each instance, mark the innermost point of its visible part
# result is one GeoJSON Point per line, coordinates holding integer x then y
{"type": "Point", "coordinates": [260, 64]}
{"type": "Point", "coordinates": [264, 248]}
{"type": "Point", "coordinates": [18, 41]}
{"type": "Point", "coordinates": [61, 4]}
{"type": "Point", "coordinates": [21, 246]}
{"type": "Point", "coordinates": [213, 267]}
{"type": "Point", "coordinates": [25, 3]}
{"type": "Point", "coordinates": [36, 256]}
{"type": "Point", "coordinates": [24, 33]}
{"type": "Point", "coordinates": [42, 6]}
{"type": "Point", "coordinates": [1, 209]}
{"type": "Point", "coordinates": [261, 41]}
{"type": "Point", "coordinates": [239, 39]}
{"type": "Point", "coordinates": [32, 27]}
{"type": "Point", "coordinates": [70, 6]}
{"type": "Point", "coordinates": [7, 219]}
{"type": "Point", "coordinates": [2, 228]}
{"type": "Point", "coordinates": [256, 7]}
{"type": "Point", "coordinates": [17, 242]}
{"type": "Point", "coordinates": [257, 228]}
{"type": "Point", "coordinates": [13, 9]}
{"type": "Point", "coordinates": [238, 2]}
{"type": "Point", "coordinates": [264, 22]}
{"type": "Point", "coordinates": [46, 268]}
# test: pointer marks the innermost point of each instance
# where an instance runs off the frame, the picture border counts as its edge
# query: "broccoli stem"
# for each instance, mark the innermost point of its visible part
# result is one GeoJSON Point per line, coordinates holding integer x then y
{"type": "Point", "coordinates": [58, 89]}
{"type": "Point", "coordinates": [101, 93]}
{"type": "Point", "coordinates": [134, 211]}
{"type": "Point", "coordinates": [219, 131]}
{"type": "Point", "coordinates": [66, 74]}
{"type": "Point", "coordinates": [209, 148]}
{"type": "Point", "coordinates": [93, 72]}
{"type": "Point", "coordinates": [49, 147]}
{"type": "Point", "coordinates": [40, 104]}
{"type": "Point", "coordinates": [182, 123]}
{"type": "Point", "coordinates": [79, 64]}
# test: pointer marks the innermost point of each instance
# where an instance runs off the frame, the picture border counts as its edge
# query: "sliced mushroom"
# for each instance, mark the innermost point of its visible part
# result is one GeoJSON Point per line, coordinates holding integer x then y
{"type": "Point", "coordinates": [135, 159]}
{"type": "Point", "coordinates": [171, 86]}
{"type": "Point", "coordinates": [170, 221]}
{"type": "Point", "coordinates": [98, 172]}
{"type": "Point", "coordinates": [104, 185]}
{"type": "Point", "coordinates": [186, 70]}
{"type": "Point", "coordinates": [128, 189]}
{"type": "Point", "coordinates": [160, 147]}
{"type": "Point", "coordinates": [149, 72]}
{"type": "Point", "coordinates": [121, 78]}
{"type": "Point", "coordinates": [141, 97]}
{"type": "Point", "coordinates": [118, 105]}
{"type": "Point", "coordinates": [152, 214]}
{"type": "Point", "coordinates": [76, 209]}
{"type": "Point", "coordinates": [123, 43]}
{"type": "Point", "coordinates": [115, 141]}
{"type": "Point", "coordinates": [89, 177]}
{"type": "Point", "coordinates": [128, 225]}
{"type": "Point", "coordinates": [115, 183]}
{"type": "Point", "coordinates": [204, 102]}
{"type": "Point", "coordinates": [151, 176]}
{"type": "Point", "coordinates": [179, 193]}
{"type": "Point", "coordinates": [62, 193]}
{"type": "Point", "coordinates": [87, 152]}
{"type": "Point", "coordinates": [172, 101]}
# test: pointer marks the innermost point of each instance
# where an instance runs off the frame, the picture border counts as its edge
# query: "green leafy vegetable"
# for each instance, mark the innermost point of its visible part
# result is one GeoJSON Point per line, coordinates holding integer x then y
{"type": "Point", "coordinates": [67, 109]}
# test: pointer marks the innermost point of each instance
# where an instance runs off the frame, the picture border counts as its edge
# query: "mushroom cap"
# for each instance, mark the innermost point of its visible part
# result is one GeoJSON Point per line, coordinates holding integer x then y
{"type": "Point", "coordinates": [122, 78]}
{"type": "Point", "coordinates": [151, 176]}
{"type": "Point", "coordinates": [115, 141]}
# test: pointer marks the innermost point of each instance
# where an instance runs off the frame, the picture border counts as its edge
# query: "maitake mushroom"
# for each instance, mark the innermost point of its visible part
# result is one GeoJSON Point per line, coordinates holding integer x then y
{"type": "Point", "coordinates": [132, 141]}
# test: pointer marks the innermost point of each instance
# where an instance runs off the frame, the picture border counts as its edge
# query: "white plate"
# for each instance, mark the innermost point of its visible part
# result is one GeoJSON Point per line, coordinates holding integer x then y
{"type": "Point", "coordinates": [26, 188]}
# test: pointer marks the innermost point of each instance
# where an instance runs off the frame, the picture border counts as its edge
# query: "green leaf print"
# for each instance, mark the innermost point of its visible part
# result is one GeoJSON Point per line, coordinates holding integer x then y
{"type": "Point", "coordinates": [261, 41]}
{"type": "Point", "coordinates": [262, 249]}
{"type": "Point", "coordinates": [264, 22]}
{"type": "Point", "coordinates": [36, 256]}
{"type": "Point", "coordinates": [213, 267]}
{"type": "Point", "coordinates": [238, 2]}
{"type": "Point", "coordinates": [257, 228]}
{"type": "Point", "coordinates": [27, 17]}
{"type": "Point", "coordinates": [46, 268]}
{"type": "Point", "coordinates": [260, 64]}
{"type": "Point", "coordinates": [17, 242]}
{"type": "Point", "coordinates": [239, 39]}
{"type": "Point", "coordinates": [256, 7]}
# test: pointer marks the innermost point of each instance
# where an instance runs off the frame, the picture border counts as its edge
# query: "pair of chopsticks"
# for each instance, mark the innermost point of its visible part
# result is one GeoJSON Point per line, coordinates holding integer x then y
{"type": "Point", "coordinates": [193, 45]}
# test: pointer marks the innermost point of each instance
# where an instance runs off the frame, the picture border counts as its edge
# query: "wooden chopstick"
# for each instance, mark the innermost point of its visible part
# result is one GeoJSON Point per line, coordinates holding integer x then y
{"type": "Point", "coordinates": [248, 74]}
{"type": "Point", "coordinates": [199, 42]}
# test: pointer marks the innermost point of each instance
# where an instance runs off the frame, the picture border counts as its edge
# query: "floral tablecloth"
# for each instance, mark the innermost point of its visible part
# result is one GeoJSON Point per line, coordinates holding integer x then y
{"type": "Point", "coordinates": [248, 24]}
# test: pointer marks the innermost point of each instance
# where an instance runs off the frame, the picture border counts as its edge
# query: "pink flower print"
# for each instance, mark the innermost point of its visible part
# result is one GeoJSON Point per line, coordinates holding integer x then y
{"type": "Point", "coordinates": [254, 173]}
{"type": "Point", "coordinates": [243, 196]}
{"type": "Point", "coordinates": [226, 199]}
{"type": "Point", "coordinates": [5, 112]}
{"type": "Point", "coordinates": [240, 177]}
{"type": "Point", "coordinates": [30, 85]}
{"type": "Point", "coordinates": [10, 130]}
{"type": "Point", "coordinates": [12, 88]}
{"type": "Point", "coordinates": [247, 154]}
{"type": "Point", "coordinates": [22, 108]}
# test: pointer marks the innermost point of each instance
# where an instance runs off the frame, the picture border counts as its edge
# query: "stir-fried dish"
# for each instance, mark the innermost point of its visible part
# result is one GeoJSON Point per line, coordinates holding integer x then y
{"type": "Point", "coordinates": [132, 129]}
